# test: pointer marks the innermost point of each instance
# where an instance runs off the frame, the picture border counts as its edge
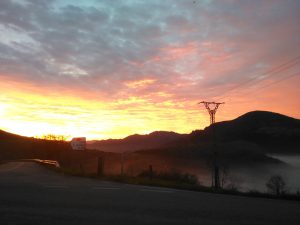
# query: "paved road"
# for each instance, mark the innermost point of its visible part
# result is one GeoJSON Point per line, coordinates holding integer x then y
{"type": "Point", "coordinates": [31, 194]}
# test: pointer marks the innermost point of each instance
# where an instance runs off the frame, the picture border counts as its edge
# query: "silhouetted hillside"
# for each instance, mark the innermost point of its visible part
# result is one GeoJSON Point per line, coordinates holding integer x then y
{"type": "Point", "coordinates": [9, 136]}
{"type": "Point", "coordinates": [258, 122]}
{"type": "Point", "coordinates": [260, 131]}
{"type": "Point", "coordinates": [276, 132]}
{"type": "Point", "coordinates": [14, 147]}
{"type": "Point", "coordinates": [246, 139]}
{"type": "Point", "coordinates": [137, 142]}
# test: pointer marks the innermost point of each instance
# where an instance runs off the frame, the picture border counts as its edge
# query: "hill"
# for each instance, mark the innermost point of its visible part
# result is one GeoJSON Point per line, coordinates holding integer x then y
{"type": "Point", "coordinates": [14, 147]}
{"type": "Point", "coordinates": [247, 139]}
{"type": "Point", "coordinates": [258, 124]}
{"type": "Point", "coordinates": [258, 131]}
{"type": "Point", "coordinates": [137, 142]}
{"type": "Point", "coordinates": [271, 131]}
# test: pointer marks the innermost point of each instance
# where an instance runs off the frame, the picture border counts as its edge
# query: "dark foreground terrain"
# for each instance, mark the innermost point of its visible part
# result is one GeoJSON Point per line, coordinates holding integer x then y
{"type": "Point", "coordinates": [31, 194]}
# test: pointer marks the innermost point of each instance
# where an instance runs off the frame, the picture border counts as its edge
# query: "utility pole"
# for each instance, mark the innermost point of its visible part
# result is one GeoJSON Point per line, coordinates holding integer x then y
{"type": "Point", "coordinates": [100, 167]}
{"type": "Point", "coordinates": [212, 108]}
{"type": "Point", "coordinates": [122, 163]}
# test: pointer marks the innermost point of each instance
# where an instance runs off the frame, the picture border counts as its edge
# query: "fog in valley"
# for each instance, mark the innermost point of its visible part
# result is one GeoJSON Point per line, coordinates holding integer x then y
{"type": "Point", "coordinates": [246, 177]}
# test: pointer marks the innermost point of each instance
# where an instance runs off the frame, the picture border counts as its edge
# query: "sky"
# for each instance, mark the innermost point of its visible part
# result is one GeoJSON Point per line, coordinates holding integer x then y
{"type": "Point", "coordinates": [110, 68]}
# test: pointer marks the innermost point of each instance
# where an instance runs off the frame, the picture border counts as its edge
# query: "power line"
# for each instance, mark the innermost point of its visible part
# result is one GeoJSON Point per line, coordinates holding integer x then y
{"type": "Point", "coordinates": [282, 67]}
{"type": "Point", "coordinates": [278, 81]}
{"type": "Point", "coordinates": [272, 83]}
{"type": "Point", "coordinates": [258, 90]}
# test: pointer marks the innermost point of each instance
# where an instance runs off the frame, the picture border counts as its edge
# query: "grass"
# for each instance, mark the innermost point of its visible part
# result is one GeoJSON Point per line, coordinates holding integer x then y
{"type": "Point", "coordinates": [173, 180]}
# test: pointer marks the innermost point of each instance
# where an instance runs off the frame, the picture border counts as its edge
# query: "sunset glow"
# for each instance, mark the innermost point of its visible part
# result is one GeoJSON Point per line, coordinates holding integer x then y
{"type": "Point", "coordinates": [108, 69]}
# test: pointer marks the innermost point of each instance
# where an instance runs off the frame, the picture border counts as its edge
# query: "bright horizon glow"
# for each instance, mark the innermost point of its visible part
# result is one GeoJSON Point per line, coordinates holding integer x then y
{"type": "Point", "coordinates": [33, 114]}
{"type": "Point", "coordinates": [109, 69]}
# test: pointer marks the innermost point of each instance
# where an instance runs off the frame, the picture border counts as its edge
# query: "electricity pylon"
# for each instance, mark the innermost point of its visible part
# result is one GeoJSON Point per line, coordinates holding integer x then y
{"type": "Point", "coordinates": [212, 111]}
{"type": "Point", "coordinates": [212, 108]}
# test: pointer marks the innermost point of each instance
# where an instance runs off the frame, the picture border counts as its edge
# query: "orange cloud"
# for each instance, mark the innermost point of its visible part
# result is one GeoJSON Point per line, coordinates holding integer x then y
{"type": "Point", "coordinates": [140, 83]}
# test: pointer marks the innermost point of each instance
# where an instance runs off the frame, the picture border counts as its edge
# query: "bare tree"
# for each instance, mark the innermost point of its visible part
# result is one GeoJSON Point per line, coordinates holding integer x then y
{"type": "Point", "coordinates": [276, 185]}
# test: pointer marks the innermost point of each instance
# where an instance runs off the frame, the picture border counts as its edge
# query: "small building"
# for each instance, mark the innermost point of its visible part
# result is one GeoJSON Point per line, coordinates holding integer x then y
{"type": "Point", "coordinates": [78, 143]}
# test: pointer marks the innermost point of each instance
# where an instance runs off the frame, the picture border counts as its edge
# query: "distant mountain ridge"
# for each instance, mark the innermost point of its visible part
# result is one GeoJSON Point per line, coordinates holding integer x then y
{"type": "Point", "coordinates": [136, 142]}
{"type": "Point", "coordinates": [261, 131]}
{"type": "Point", "coordinates": [257, 127]}
{"type": "Point", "coordinates": [10, 136]}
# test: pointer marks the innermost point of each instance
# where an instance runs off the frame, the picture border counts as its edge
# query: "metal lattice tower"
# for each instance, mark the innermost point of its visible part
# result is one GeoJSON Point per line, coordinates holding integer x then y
{"type": "Point", "coordinates": [212, 108]}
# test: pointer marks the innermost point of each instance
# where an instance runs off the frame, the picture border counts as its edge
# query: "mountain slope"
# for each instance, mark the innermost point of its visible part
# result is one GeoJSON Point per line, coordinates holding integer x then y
{"type": "Point", "coordinates": [260, 127]}
{"type": "Point", "coordinates": [136, 142]}
{"type": "Point", "coordinates": [9, 136]}
{"type": "Point", "coordinates": [14, 146]}
{"type": "Point", "coordinates": [270, 132]}
{"type": "Point", "coordinates": [261, 122]}
{"type": "Point", "coordinates": [258, 131]}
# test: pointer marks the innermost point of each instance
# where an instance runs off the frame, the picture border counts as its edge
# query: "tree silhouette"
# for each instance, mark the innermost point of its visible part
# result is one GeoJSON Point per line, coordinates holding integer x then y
{"type": "Point", "coordinates": [54, 137]}
{"type": "Point", "coordinates": [276, 185]}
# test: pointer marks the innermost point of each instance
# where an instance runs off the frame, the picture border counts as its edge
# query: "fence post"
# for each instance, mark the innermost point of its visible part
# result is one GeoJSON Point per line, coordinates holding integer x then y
{"type": "Point", "coordinates": [81, 168]}
{"type": "Point", "coordinates": [100, 166]}
{"type": "Point", "coordinates": [150, 172]}
{"type": "Point", "coordinates": [122, 163]}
